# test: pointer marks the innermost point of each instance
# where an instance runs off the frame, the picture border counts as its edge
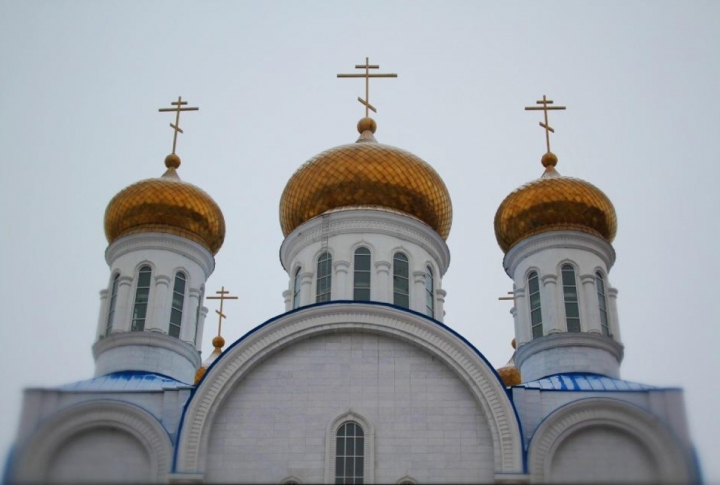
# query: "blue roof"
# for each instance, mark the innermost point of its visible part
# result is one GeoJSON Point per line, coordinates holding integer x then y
{"type": "Point", "coordinates": [584, 382]}
{"type": "Point", "coordinates": [125, 381]}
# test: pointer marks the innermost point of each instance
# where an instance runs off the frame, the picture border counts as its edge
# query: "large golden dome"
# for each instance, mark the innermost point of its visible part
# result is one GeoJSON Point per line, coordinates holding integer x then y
{"type": "Point", "coordinates": [554, 203]}
{"type": "Point", "coordinates": [366, 173]}
{"type": "Point", "coordinates": [168, 205]}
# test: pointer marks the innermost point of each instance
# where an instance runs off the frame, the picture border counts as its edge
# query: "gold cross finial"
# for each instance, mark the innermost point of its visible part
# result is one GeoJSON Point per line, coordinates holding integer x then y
{"type": "Point", "coordinates": [545, 102]}
{"type": "Point", "coordinates": [508, 297]}
{"type": "Point", "coordinates": [223, 296]}
{"type": "Point", "coordinates": [178, 107]}
{"type": "Point", "coordinates": [367, 66]}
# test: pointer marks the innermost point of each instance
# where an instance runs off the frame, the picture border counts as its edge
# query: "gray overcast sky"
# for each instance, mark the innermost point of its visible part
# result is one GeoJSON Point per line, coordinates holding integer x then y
{"type": "Point", "coordinates": [81, 82]}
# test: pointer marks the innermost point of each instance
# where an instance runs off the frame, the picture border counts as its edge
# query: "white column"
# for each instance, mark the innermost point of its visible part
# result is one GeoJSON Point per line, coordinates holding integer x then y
{"type": "Point", "coordinates": [550, 311]}
{"type": "Point", "coordinates": [440, 295]}
{"type": "Point", "coordinates": [382, 291]}
{"type": "Point", "coordinates": [524, 326]}
{"type": "Point", "coordinates": [516, 322]}
{"type": "Point", "coordinates": [123, 310]}
{"type": "Point", "coordinates": [200, 329]}
{"type": "Point", "coordinates": [159, 317]}
{"type": "Point", "coordinates": [287, 298]}
{"type": "Point", "coordinates": [340, 289]}
{"type": "Point", "coordinates": [102, 318]}
{"type": "Point", "coordinates": [613, 314]}
{"type": "Point", "coordinates": [306, 296]}
{"type": "Point", "coordinates": [417, 296]}
{"type": "Point", "coordinates": [187, 330]}
{"type": "Point", "coordinates": [590, 307]}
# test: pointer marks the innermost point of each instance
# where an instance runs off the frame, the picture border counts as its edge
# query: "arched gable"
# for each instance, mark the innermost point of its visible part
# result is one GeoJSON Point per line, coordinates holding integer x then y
{"type": "Point", "coordinates": [411, 327]}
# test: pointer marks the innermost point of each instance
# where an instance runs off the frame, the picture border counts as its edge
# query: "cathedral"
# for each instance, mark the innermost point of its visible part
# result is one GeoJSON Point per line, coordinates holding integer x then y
{"type": "Point", "coordinates": [361, 379]}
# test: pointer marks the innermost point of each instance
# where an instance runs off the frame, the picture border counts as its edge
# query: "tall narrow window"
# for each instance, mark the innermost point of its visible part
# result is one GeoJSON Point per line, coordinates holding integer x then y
{"type": "Point", "coordinates": [600, 285]}
{"type": "Point", "coordinates": [297, 286]}
{"type": "Point", "coordinates": [111, 308]}
{"type": "Point", "coordinates": [350, 454]}
{"type": "Point", "coordinates": [361, 277]}
{"type": "Point", "coordinates": [572, 308]}
{"type": "Point", "coordinates": [401, 280]}
{"type": "Point", "coordinates": [535, 312]}
{"type": "Point", "coordinates": [324, 277]}
{"type": "Point", "coordinates": [429, 292]}
{"type": "Point", "coordinates": [177, 305]}
{"type": "Point", "coordinates": [142, 294]}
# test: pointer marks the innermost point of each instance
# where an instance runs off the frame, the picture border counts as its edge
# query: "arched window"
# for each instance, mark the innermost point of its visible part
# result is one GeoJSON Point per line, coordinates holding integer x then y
{"type": "Point", "coordinates": [350, 453]}
{"type": "Point", "coordinates": [535, 312]}
{"type": "Point", "coordinates": [429, 292]}
{"type": "Point", "coordinates": [324, 277]}
{"type": "Point", "coordinates": [111, 307]}
{"type": "Point", "coordinates": [600, 285]}
{"type": "Point", "coordinates": [142, 294]}
{"type": "Point", "coordinates": [297, 286]}
{"type": "Point", "coordinates": [401, 280]}
{"type": "Point", "coordinates": [570, 294]}
{"type": "Point", "coordinates": [178, 300]}
{"type": "Point", "coordinates": [361, 277]}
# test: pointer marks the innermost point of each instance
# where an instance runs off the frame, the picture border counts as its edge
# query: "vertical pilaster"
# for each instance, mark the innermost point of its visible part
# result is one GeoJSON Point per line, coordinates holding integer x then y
{"type": "Point", "coordinates": [102, 318]}
{"type": "Point", "coordinates": [306, 296]}
{"type": "Point", "coordinates": [382, 291]}
{"type": "Point", "coordinates": [613, 310]}
{"type": "Point", "coordinates": [159, 318]}
{"type": "Point", "coordinates": [200, 329]}
{"type": "Point", "coordinates": [287, 299]}
{"type": "Point", "coordinates": [591, 307]}
{"type": "Point", "coordinates": [417, 293]}
{"type": "Point", "coordinates": [440, 295]}
{"type": "Point", "coordinates": [123, 310]}
{"type": "Point", "coordinates": [524, 326]}
{"type": "Point", "coordinates": [550, 301]}
{"type": "Point", "coordinates": [340, 287]}
{"type": "Point", "coordinates": [187, 330]}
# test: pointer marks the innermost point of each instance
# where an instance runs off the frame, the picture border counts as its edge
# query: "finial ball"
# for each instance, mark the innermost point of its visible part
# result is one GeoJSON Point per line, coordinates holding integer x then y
{"type": "Point", "coordinates": [513, 344]}
{"type": "Point", "coordinates": [549, 159]}
{"type": "Point", "coordinates": [218, 342]}
{"type": "Point", "coordinates": [366, 124]}
{"type": "Point", "coordinates": [172, 161]}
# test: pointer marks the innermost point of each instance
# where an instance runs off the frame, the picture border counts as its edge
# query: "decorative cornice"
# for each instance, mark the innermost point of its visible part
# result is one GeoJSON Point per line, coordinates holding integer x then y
{"type": "Point", "coordinates": [150, 339]}
{"type": "Point", "coordinates": [359, 221]}
{"type": "Point", "coordinates": [673, 464]}
{"type": "Point", "coordinates": [569, 339]}
{"type": "Point", "coordinates": [561, 240]}
{"type": "Point", "coordinates": [36, 453]}
{"type": "Point", "coordinates": [164, 242]}
{"type": "Point", "coordinates": [386, 320]}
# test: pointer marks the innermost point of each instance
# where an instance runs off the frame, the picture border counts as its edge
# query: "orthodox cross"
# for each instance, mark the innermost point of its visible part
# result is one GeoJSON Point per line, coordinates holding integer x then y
{"type": "Point", "coordinates": [545, 102]}
{"type": "Point", "coordinates": [367, 66]}
{"type": "Point", "coordinates": [178, 107]}
{"type": "Point", "coordinates": [508, 297]}
{"type": "Point", "coordinates": [223, 296]}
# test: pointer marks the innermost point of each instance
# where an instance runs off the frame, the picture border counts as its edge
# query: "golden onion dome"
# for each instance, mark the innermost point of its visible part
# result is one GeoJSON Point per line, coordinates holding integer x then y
{"type": "Point", "coordinates": [554, 203]}
{"type": "Point", "coordinates": [366, 174]}
{"type": "Point", "coordinates": [509, 374]}
{"type": "Point", "coordinates": [167, 205]}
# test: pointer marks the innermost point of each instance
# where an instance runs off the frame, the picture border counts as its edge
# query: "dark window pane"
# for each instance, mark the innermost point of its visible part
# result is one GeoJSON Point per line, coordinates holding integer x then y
{"type": "Point", "coordinates": [568, 277]}
{"type": "Point", "coordinates": [174, 330]}
{"type": "Point", "coordinates": [350, 447]}
{"type": "Point", "coordinates": [362, 279]}
{"type": "Point", "coordinates": [340, 446]}
{"type": "Point", "coordinates": [341, 431]}
{"type": "Point", "coordinates": [144, 277]}
{"type": "Point", "coordinates": [402, 300]}
{"type": "Point", "coordinates": [535, 300]}
{"type": "Point", "coordinates": [359, 467]}
{"type": "Point", "coordinates": [573, 324]}
{"type": "Point", "coordinates": [361, 294]}
{"type": "Point", "coordinates": [339, 467]}
{"type": "Point", "coordinates": [175, 317]}
{"type": "Point", "coordinates": [339, 480]}
{"type": "Point", "coordinates": [349, 467]}
{"type": "Point", "coordinates": [533, 283]}
{"type": "Point", "coordinates": [139, 311]}
{"type": "Point", "coordinates": [179, 283]}
{"type": "Point", "coordinates": [536, 317]}
{"type": "Point", "coordinates": [359, 443]}
{"type": "Point", "coordinates": [570, 293]}
{"type": "Point", "coordinates": [572, 311]}
{"type": "Point", "coordinates": [537, 331]}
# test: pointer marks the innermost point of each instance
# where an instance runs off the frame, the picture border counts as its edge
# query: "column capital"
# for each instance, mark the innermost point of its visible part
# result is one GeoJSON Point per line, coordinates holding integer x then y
{"type": "Point", "coordinates": [125, 280]}
{"type": "Point", "coordinates": [587, 279]}
{"type": "Point", "coordinates": [162, 279]}
{"type": "Point", "coordinates": [195, 293]}
{"type": "Point", "coordinates": [341, 266]}
{"type": "Point", "coordinates": [419, 276]}
{"type": "Point", "coordinates": [103, 293]}
{"type": "Point", "coordinates": [382, 266]}
{"type": "Point", "coordinates": [549, 279]}
{"type": "Point", "coordinates": [612, 292]}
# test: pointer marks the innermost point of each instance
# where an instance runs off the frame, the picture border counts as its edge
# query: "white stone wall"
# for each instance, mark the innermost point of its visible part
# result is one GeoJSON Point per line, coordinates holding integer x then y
{"type": "Point", "coordinates": [101, 455]}
{"type": "Point", "coordinates": [383, 233]}
{"type": "Point", "coordinates": [602, 454]}
{"type": "Point", "coordinates": [427, 424]}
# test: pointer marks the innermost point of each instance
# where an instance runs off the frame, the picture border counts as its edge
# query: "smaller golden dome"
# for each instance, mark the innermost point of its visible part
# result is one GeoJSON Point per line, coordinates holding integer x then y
{"type": "Point", "coordinates": [510, 374]}
{"type": "Point", "coordinates": [167, 205]}
{"type": "Point", "coordinates": [554, 203]}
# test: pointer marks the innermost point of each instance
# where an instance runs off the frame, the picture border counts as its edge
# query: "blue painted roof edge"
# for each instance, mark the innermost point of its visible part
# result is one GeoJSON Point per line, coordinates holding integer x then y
{"type": "Point", "coordinates": [339, 302]}
{"type": "Point", "coordinates": [651, 388]}
{"type": "Point", "coordinates": [8, 460]}
{"type": "Point", "coordinates": [61, 388]}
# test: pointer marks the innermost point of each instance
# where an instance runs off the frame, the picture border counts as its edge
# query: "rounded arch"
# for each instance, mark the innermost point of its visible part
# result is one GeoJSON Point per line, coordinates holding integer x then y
{"type": "Point", "coordinates": [330, 446]}
{"type": "Point", "coordinates": [591, 412]}
{"type": "Point", "coordinates": [144, 262]}
{"type": "Point", "coordinates": [566, 261]}
{"type": "Point", "coordinates": [531, 270]}
{"type": "Point", "coordinates": [36, 453]}
{"type": "Point", "coordinates": [369, 317]}
{"type": "Point", "coordinates": [363, 243]}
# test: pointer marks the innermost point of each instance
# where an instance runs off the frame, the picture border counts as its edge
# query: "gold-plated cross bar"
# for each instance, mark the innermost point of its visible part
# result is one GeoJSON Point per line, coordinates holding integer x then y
{"type": "Point", "coordinates": [179, 106]}
{"type": "Point", "coordinates": [367, 66]}
{"type": "Point", "coordinates": [508, 297]}
{"type": "Point", "coordinates": [223, 296]}
{"type": "Point", "coordinates": [545, 108]}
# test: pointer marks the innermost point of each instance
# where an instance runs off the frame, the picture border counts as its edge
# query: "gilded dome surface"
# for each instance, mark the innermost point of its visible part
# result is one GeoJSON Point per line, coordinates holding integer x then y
{"type": "Point", "coordinates": [367, 174]}
{"type": "Point", "coordinates": [167, 205]}
{"type": "Point", "coordinates": [554, 203]}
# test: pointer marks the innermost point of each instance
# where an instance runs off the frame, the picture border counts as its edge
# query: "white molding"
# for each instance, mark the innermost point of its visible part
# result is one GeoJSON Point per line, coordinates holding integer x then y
{"type": "Point", "coordinates": [238, 360]}
{"type": "Point", "coordinates": [150, 339]}
{"type": "Point", "coordinates": [569, 339]}
{"type": "Point", "coordinates": [165, 242]}
{"type": "Point", "coordinates": [674, 466]}
{"type": "Point", "coordinates": [558, 240]}
{"type": "Point", "coordinates": [37, 452]}
{"type": "Point", "coordinates": [331, 445]}
{"type": "Point", "coordinates": [359, 221]}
